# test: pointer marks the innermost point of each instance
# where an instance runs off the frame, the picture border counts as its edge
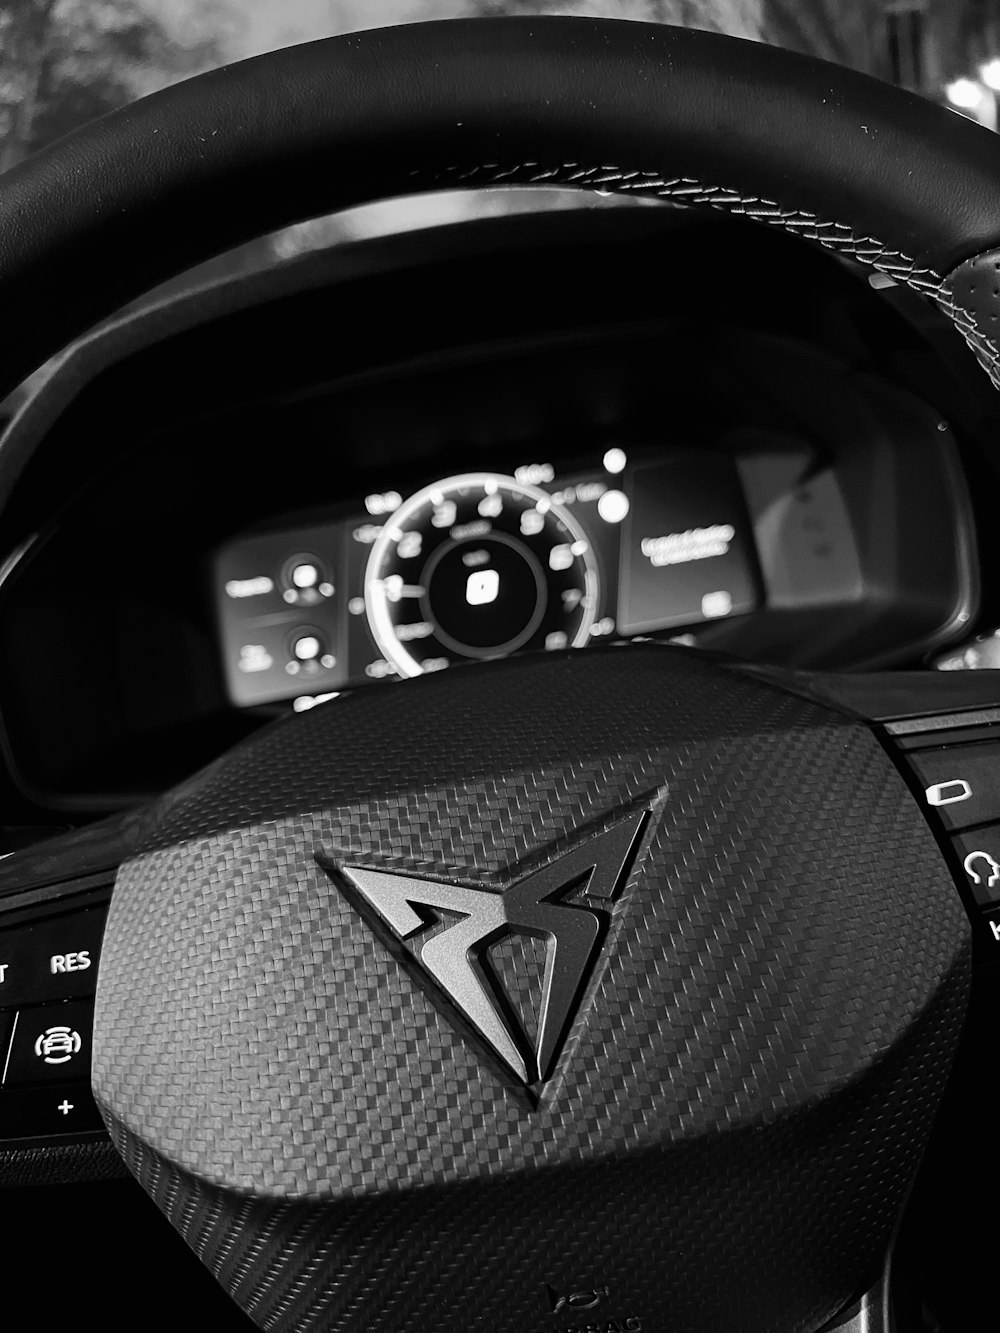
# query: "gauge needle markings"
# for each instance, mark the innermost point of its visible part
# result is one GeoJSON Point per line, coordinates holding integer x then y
{"type": "Point", "coordinates": [395, 589]}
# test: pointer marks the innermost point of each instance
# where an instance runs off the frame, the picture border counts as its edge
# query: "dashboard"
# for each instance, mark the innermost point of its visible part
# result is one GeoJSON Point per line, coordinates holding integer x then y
{"type": "Point", "coordinates": [284, 499]}
{"type": "Point", "coordinates": [650, 543]}
{"type": "Point", "coordinates": [482, 565]}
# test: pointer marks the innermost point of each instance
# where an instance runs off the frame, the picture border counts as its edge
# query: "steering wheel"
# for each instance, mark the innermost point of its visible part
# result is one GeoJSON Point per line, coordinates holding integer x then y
{"type": "Point", "coordinates": [608, 990]}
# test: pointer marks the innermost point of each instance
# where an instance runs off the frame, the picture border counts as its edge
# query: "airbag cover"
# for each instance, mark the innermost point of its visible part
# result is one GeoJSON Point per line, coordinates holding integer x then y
{"type": "Point", "coordinates": [749, 1058]}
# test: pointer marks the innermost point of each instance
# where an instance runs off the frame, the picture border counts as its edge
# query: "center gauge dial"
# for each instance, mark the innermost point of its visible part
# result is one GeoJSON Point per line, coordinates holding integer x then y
{"type": "Point", "coordinates": [478, 566]}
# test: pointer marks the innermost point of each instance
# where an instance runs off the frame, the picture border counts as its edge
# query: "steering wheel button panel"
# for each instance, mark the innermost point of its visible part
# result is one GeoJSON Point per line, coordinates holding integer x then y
{"type": "Point", "coordinates": [961, 783]}
{"type": "Point", "coordinates": [54, 959]}
{"type": "Point", "coordinates": [50, 1043]}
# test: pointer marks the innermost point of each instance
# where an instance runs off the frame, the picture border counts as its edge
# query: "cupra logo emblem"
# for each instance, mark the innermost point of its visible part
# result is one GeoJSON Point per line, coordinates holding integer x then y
{"type": "Point", "coordinates": [568, 905]}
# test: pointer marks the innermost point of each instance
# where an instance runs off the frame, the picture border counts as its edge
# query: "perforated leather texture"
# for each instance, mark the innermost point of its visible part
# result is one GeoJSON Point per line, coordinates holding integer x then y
{"type": "Point", "coordinates": [745, 1093]}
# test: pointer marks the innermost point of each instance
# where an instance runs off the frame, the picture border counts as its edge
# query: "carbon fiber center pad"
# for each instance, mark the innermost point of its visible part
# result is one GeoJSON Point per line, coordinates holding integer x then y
{"type": "Point", "coordinates": [614, 976]}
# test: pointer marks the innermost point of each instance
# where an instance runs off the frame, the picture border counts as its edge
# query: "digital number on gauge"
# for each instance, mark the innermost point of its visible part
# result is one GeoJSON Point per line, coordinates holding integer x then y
{"type": "Point", "coordinates": [478, 566]}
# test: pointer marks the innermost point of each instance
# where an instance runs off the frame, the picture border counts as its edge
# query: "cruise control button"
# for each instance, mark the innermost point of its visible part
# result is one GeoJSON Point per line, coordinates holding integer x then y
{"type": "Point", "coordinates": [54, 959]}
{"type": "Point", "coordinates": [979, 855]}
{"type": "Point", "coordinates": [51, 1042]}
{"type": "Point", "coordinates": [58, 1108]}
{"type": "Point", "coordinates": [961, 783]}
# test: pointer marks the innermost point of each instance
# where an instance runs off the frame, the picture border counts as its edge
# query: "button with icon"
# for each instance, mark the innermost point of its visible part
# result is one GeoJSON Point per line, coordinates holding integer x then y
{"type": "Point", "coordinates": [961, 783]}
{"type": "Point", "coordinates": [979, 854]}
{"type": "Point", "coordinates": [53, 959]}
{"type": "Point", "coordinates": [51, 1041]}
{"type": "Point", "coordinates": [948, 793]}
{"type": "Point", "coordinates": [47, 1110]}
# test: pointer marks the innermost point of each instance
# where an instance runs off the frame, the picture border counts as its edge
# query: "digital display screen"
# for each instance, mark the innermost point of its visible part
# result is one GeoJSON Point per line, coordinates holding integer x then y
{"type": "Point", "coordinates": [280, 614]}
{"type": "Point", "coordinates": [480, 565]}
{"type": "Point", "coordinates": [687, 547]}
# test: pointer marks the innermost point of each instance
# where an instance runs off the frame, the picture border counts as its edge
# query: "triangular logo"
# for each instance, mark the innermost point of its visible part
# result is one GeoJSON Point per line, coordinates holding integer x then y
{"type": "Point", "coordinates": [450, 935]}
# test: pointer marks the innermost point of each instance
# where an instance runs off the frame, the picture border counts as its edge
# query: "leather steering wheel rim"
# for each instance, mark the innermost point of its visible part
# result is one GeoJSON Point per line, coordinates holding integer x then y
{"type": "Point", "coordinates": [796, 1003]}
{"type": "Point", "coordinates": [692, 117]}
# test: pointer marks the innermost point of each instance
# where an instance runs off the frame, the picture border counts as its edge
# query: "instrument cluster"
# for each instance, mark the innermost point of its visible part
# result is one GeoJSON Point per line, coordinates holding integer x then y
{"type": "Point", "coordinates": [481, 565]}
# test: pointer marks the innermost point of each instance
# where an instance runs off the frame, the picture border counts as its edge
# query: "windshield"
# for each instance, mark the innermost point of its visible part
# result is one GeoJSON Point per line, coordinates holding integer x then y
{"type": "Point", "coordinates": [63, 62]}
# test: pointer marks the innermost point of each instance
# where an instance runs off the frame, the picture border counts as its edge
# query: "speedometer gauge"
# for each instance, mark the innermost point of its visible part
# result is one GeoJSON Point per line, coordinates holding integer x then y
{"type": "Point", "coordinates": [478, 566]}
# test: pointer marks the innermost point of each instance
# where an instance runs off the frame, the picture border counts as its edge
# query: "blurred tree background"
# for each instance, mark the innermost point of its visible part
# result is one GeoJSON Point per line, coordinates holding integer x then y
{"type": "Point", "coordinates": [63, 62]}
{"type": "Point", "coordinates": [739, 17]}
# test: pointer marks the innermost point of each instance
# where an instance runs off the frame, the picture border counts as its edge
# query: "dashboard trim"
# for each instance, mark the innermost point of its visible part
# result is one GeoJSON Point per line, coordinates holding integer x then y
{"type": "Point", "coordinates": [114, 344]}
